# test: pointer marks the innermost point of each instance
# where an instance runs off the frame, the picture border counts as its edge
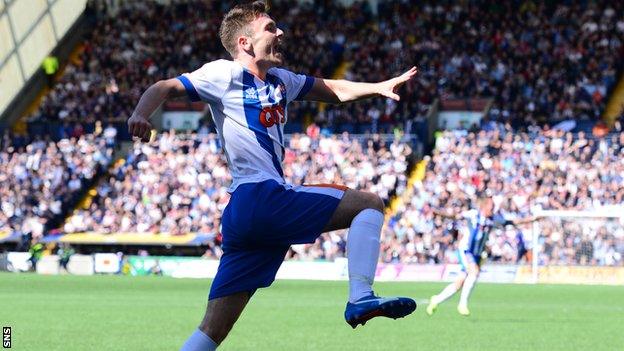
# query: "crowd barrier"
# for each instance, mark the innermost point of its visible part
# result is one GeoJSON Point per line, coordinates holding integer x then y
{"type": "Point", "coordinates": [19, 262]}
{"type": "Point", "coordinates": [573, 275]}
{"type": "Point", "coordinates": [195, 267]}
{"type": "Point", "coordinates": [199, 268]}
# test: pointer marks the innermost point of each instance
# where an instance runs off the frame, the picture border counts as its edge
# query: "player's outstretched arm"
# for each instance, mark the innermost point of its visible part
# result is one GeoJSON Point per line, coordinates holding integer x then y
{"type": "Point", "coordinates": [138, 124]}
{"type": "Point", "coordinates": [340, 91]}
{"type": "Point", "coordinates": [526, 220]}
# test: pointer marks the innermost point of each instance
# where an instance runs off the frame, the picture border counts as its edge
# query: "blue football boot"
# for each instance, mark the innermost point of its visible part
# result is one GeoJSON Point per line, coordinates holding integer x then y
{"type": "Point", "coordinates": [372, 306]}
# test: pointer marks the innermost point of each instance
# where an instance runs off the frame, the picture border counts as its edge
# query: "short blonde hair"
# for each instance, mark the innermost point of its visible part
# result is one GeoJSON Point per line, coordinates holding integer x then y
{"type": "Point", "coordinates": [236, 20]}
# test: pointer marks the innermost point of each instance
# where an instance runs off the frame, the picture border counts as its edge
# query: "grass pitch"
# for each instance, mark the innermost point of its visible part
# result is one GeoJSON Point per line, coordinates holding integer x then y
{"type": "Point", "coordinates": [158, 313]}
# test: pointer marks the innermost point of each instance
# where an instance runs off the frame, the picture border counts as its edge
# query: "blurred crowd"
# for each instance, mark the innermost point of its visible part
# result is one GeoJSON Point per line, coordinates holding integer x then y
{"type": "Point", "coordinates": [372, 164]}
{"type": "Point", "coordinates": [178, 184]}
{"type": "Point", "coordinates": [523, 172]}
{"type": "Point", "coordinates": [539, 62]}
{"type": "Point", "coordinates": [129, 49]}
{"type": "Point", "coordinates": [584, 242]}
{"type": "Point", "coordinates": [175, 185]}
{"type": "Point", "coordinates": [39, 181]}
{"type": "Point", "coordinates": [139, 43]}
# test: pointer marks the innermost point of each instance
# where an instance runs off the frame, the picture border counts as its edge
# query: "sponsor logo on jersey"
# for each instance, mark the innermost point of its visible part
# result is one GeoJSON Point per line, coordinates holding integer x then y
{"type": "Point", "coordinates": [272, 115]}
{"type": "Point", "coordinates": [251, 93]}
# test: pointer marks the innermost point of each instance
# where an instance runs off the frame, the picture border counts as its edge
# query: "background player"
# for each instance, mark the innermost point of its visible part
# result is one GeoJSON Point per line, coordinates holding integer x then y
{"type": "Point", "coordinates": [474, 233]}
{"type": "Point", "coordinates": [248, 98]}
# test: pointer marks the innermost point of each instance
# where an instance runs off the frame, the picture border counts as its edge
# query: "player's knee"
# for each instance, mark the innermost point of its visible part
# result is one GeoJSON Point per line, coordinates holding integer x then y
{"type": "Point", "coordinates": [473, 270]}
{"type": "Point", "coordinates": [374, 202]}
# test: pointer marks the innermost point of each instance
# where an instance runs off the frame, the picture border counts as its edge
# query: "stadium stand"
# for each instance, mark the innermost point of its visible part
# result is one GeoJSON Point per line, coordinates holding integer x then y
{"type": "Point", "coordinates": [121, 57]}
{"type": "Point", "coordinates": [539, 64]}
{"type": "Point", "coordinates": [371, 164]}
{"type": "Point", "coordinates": [566, 74]}
{"type": "Point", "coordinates": [178, 184]}
{"type": "Point", "coordinates": [140, 43]}
{"type": "Point", "coordinates": [524, 172]}
{"type": "Point", "coordinates": [175, 185]}
{"type": "Point", "coordinates": [41, 181]}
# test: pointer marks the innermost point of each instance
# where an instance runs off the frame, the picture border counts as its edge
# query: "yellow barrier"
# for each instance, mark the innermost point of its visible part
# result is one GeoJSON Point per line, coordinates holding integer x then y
{"type": "Point", "coordinates": [572, 275]}
{"type": "Point", "coordinates": [417, 174]}
{"type": "Point", "coordinates": [615, 106]}
{"type": "Point", "coordinates": [85, 202]}
{"type": "Point", "coordinates": [126, 238]}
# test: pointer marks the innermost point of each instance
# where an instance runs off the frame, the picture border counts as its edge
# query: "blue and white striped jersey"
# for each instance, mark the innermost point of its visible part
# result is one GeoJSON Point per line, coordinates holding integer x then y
{"type": "Point", "coordinates": [249, 114]}
{"type": "Point", "coordinates": [476, 230]}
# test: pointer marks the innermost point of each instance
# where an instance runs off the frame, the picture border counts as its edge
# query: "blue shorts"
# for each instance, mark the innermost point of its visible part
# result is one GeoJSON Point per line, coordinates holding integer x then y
{"type": "Point", "coordinates": [260, 223]}
{"type": "Point", "coordinates": [467, 257]}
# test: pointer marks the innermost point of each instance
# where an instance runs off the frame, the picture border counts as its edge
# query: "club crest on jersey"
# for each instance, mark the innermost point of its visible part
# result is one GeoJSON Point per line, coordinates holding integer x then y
{"type": "Point", "coordinates": [251, 93]}
{"type": "Point", "coordinates": [272, 115]}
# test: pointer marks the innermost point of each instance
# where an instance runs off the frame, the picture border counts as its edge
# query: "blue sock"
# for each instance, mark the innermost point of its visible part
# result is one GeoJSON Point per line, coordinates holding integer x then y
{"type": "Point", "coordinates": [199, 341]}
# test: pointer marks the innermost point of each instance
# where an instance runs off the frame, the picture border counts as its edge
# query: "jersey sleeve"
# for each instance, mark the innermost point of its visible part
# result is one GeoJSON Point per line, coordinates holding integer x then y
{"type": "Point", "coordinates": [297, 85]}
{"type": "Point", "coordinates": [209, 82]}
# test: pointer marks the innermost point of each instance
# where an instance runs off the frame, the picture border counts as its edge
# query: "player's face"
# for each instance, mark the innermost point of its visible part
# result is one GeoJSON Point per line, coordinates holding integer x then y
{"type": "Point", "coordinates": [267, 41]}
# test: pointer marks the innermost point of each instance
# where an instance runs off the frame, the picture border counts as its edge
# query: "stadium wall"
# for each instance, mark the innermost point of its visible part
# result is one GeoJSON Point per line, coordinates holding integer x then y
{"type": "Point", "coordinates": [187, 267]}
{"type": "Point", "coordinates": [18, 262]}
{"type": "Point", "coordinates": [195, 267]}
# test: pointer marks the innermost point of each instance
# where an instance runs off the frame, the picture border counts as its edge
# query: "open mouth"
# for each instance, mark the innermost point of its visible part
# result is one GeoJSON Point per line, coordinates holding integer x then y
{"type": "Point", "coordinates": [278, 48]}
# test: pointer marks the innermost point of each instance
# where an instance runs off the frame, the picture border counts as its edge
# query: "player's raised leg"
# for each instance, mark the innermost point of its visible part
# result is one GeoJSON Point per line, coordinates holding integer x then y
{"type": "Point", "coordinates": [467, 264]}
{"type": "Point", "coordinates": [445, 294]}
{"type": "Point", "coordinates": [362, 213]}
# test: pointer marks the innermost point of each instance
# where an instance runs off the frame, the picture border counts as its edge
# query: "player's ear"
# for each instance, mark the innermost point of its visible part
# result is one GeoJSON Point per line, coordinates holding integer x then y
{"type": "Point", "coordinates": [244, 44]}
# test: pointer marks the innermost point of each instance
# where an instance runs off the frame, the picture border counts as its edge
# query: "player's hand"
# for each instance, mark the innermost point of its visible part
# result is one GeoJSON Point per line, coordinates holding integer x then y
{"type": "Point", "coordinates": [140, 127]}
{"type": "Point", "coordinates": [390, 87]}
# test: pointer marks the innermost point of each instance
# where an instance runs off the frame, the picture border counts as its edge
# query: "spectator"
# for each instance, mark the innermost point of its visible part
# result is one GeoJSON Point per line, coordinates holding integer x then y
{"type": "Point", "coordinates": [65, 252]}
{"type": "Point", "coordinates": [36, 252]}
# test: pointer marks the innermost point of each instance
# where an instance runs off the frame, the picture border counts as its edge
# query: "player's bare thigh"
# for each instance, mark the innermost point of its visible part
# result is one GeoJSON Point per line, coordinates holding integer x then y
{"type": "Point", "coordinates": [459, 282]}
{"type": "Point", "coordinates": [352, 203]}
{"type": "Point", "coordinates": [473, 268]}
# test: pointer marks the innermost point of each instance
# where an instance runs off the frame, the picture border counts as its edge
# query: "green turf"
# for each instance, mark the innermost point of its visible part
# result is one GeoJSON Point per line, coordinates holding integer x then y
{"type": "Point", "coordinates": [156, 313]}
